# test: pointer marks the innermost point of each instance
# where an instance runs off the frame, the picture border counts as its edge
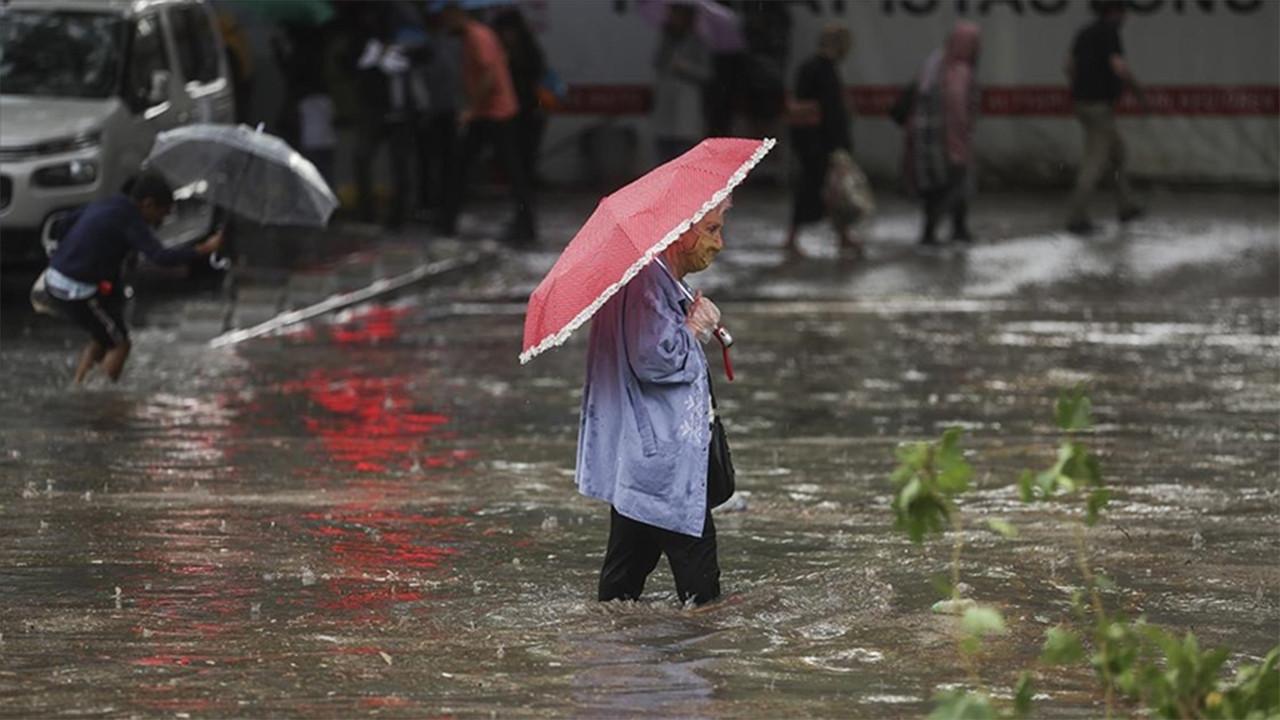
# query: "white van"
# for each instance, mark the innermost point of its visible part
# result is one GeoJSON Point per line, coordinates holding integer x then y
{"type": "Point", "coordinates": [85, 85]}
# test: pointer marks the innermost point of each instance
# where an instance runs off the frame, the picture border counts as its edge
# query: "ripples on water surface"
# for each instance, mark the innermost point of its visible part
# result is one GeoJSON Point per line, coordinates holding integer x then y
{"type": "Point", "coordinates": [377, 515]}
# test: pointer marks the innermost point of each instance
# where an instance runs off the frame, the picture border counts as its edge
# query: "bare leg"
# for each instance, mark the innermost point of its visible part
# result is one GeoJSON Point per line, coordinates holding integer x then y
{"type": "Point", "coordinates": [114, 361]}
{"type": "Point", "coordinates": [792, 246]}
{"type": "Point", "coordinates": [90, 356]}
{"type": "Point", "coordinates": [849, 241]}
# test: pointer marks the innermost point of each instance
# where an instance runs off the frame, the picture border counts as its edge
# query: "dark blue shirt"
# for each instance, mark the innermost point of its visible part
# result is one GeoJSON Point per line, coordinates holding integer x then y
{"type": "Point", "coordinates": [103, 233]}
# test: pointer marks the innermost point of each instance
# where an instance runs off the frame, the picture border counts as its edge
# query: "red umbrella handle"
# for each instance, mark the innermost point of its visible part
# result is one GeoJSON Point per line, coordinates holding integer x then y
{"type": "Point", "coordinates": [728, 364]}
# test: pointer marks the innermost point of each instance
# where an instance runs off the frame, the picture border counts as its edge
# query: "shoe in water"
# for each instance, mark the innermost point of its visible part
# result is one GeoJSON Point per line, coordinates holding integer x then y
{"type": "Point", "coordinates": [1132, 212]}
{"type": "Point", "coordinates": [1081, 227]}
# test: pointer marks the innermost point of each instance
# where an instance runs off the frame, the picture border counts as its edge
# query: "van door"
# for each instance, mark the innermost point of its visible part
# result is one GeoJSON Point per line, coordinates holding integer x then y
{"type": "Point", "coordinates": [149, 90]}
{"type": "Point", "coordinates": [200, 58]}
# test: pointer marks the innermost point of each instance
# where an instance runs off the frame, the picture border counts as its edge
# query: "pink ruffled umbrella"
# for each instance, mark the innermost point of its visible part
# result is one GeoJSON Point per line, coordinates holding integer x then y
{"type": "Point", "coordinates": [628, 230]}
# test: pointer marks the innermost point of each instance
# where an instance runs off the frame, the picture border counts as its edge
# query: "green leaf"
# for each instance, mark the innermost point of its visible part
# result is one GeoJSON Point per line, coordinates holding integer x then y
{"type": "Point", "coordinates": [1073, 410]}
{"type": "Point", "coordinates": [1023, 695]}
{"type": "Point", "coordinates": [1047, 483]}
{"type": "Point", "coordinates": [1026, 486]}
{"type": "Point", "coordinates": [1003, 527]}
{"type": "Point", "coordinates": [1098, 500]}
{"type": "Point", "coordinates": [957, 705]}
{"type": "Point", "coordinates": [953, 471]}
{"type": "Point", "coordinates": [914, 455]}
{"type": "Point", "coordinates": [1061, 647]}
{"type": "Point", "coordinates": [983, 620]}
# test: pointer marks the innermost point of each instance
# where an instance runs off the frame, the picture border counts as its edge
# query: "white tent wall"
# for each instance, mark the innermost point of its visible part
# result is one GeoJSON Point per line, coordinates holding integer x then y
{"type": "Point", "coordinates": [1212, 69]}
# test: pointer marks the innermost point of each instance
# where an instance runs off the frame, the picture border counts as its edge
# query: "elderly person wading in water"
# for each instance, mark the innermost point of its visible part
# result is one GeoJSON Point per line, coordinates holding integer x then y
{"type": "Point", "coordinates": [646, 411]}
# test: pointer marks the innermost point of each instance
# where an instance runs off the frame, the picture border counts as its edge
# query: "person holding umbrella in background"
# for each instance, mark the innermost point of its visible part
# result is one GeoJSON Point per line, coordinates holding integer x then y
{"type": "Point", "coordinates": [84, 272]}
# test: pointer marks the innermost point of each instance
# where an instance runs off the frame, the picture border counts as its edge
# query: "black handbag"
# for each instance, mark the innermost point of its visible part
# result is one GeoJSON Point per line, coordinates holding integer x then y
{"type": "Point", "coordinates": [720, 481]}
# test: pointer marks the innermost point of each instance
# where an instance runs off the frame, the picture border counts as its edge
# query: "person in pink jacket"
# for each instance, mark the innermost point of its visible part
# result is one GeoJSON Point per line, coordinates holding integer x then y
{"type": "Point", "coordinates": [939, 137]}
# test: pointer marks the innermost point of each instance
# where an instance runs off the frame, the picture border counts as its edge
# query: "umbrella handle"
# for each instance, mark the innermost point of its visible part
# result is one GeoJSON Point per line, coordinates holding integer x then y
{"type": "Point", "coordinates": [722, 334]}
{"type": "Point", "coordinates": [219, 263]}
{"type": "Point", "coordinates": [726, 341]}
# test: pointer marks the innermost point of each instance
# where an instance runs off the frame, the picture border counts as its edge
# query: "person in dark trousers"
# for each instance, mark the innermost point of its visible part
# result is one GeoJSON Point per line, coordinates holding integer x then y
{"type": "Point", "coordinates": [939, 133]}
{"type": "Point", "coordinates": [438, 129]}
{"type": "Point", "coordinates": [381, 63]}
{"type": "Point", "coordinates": [819, 98]}
{"type": "Point", "coordinates": [490, 120]}
{"type": "Point", "coordinates": [528, 67]}
{"type": "Point", "coordinates": [1099, 74]}
{"type": "Point", "coordinates": [84, 274]}
{"type": "Point", "coordinates": [645, 439]}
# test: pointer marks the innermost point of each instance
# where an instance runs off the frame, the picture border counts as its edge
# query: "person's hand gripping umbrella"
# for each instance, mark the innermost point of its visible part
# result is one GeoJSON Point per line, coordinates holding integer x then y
{"type": "Point", "coordinates": [628, 230]}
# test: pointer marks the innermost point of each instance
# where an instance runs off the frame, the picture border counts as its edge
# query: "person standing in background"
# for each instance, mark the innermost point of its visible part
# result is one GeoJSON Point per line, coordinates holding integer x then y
{"type": "Point", "coordinates": [1099, 74]}
{"type": "Point", "coordinates": [438, 128]}
{"type": "Point", "coordinates": [381, 71]}
{"type": "Point", "coordinates": [489, 120]}
{"type": "Point", "coordinates": [528, 66]}
{"type": "Point", "coordinates": [939, 133]}
{"type": "Point", "coordinates": [683, 67]}
{"type": "Point", "coordinates": [820, 126]}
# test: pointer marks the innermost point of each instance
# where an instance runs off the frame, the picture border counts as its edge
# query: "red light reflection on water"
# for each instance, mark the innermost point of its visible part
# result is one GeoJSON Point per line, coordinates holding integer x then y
{"type": "Point", "coordinates": [371, 423]}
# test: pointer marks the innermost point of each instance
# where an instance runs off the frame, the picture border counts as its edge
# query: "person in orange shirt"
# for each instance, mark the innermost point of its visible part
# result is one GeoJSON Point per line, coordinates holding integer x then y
{"type": "Point", "coordinates": [489, 120]}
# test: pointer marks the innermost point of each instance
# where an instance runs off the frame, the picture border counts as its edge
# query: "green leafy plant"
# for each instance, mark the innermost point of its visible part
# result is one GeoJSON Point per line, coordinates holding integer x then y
{"type": "Point", "coordinates": [1171, 677]}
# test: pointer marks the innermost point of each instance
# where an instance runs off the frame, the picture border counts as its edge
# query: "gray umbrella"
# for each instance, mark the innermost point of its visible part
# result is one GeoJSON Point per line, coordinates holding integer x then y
{"type": "Point", "coordinates": [249, 172]}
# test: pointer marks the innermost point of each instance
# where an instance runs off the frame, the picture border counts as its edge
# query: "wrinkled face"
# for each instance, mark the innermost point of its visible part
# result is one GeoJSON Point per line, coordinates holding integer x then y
{"type": "Point", "coordinates": [700, 244]}
{"type": "Point", "coordinates": [153, 212]}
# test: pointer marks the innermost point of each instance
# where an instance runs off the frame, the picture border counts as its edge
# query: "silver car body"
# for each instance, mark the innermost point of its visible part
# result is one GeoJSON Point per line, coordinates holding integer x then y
{"type": "Point", "coordinates": [91, 145]}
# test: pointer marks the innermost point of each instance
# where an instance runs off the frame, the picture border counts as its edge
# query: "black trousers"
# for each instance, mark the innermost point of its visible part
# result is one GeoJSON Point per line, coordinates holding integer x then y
{"type": "Point", "coordinates": [502, 136]}
{"type": "Point", "coordinates": [437, 157]}
{"type": "Point", "coordinates": [398, 137]}
{"type": "Point", "coordinates": [633, 552]}
{"type": "Point", "coordinates": [949, 198]}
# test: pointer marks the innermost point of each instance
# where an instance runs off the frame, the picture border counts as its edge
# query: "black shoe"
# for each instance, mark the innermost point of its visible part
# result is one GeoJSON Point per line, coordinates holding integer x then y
{"type": "Point", "coordinates": [1081, 227]}
{"type": "Point", "coordinates": [963, 236]}
{"type": "Point", "coordinates": [1132, 212]}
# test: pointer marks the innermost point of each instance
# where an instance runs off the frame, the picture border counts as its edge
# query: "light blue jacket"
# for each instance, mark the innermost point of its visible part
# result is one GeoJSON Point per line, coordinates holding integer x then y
{"type": "Point", "coordinates": [645, 428]}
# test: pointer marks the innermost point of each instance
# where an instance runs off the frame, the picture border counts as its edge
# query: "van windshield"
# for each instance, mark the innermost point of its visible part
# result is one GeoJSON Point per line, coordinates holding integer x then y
{"type": "Point", "coordinates": [59, 54]}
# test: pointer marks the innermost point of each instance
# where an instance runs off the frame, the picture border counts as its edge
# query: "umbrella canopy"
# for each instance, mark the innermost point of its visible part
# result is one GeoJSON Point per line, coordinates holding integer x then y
{"type": "Point", "coordinates": [253, 174]}
{"type": "Point", "coordinates": [627, 230]}
{"type": "Point", "coordinates": [718, 26]}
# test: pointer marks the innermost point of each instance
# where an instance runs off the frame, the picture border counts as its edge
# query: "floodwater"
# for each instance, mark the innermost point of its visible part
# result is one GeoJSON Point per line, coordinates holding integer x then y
{"type": "Point", "coordinates": [375, 514]}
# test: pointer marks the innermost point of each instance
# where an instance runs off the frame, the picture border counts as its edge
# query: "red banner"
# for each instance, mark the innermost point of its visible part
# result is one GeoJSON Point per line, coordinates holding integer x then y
{"type": "Point", "coordinates": [1023, 100]}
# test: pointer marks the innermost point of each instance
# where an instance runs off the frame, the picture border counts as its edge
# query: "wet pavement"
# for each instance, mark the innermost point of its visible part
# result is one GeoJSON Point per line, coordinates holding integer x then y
{"type": "Point", "coordinates": [373, 513]}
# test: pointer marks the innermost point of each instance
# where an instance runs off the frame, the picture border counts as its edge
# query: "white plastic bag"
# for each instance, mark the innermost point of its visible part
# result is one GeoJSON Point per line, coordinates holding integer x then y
{"type": "Point", "coordinates": [846, 190]}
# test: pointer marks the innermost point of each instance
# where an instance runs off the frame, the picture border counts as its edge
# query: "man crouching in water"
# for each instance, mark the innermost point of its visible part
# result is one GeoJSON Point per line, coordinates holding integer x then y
{"type": "Point", "coordinates": [84, 273]}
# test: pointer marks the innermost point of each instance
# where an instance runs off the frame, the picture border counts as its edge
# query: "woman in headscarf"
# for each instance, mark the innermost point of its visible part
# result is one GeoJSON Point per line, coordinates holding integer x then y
{"type": "Point", "coordinates": [939, 138]}
{"type": "Point", "coordinates": [823, 129]}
